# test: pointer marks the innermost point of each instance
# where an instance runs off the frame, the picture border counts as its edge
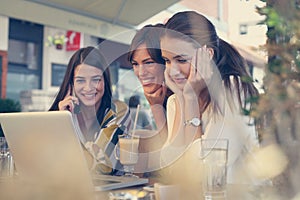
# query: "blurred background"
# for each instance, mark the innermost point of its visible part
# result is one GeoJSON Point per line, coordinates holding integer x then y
{"type": "Point", "coordinates": [37, 38]}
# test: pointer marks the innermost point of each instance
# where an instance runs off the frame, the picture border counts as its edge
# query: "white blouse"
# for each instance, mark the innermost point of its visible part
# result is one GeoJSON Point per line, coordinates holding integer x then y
{"type": "Point", "coordinates": [232, 125]}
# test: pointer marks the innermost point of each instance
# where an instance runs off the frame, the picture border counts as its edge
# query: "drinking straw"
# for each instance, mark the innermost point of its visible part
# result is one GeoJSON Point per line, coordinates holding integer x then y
{"type": "Point", "coordinates": [135, 120]}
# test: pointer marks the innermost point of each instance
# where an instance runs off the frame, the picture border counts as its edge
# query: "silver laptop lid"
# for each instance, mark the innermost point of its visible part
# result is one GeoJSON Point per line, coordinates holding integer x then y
{"type": "Point", "coordinates": [46, 149]}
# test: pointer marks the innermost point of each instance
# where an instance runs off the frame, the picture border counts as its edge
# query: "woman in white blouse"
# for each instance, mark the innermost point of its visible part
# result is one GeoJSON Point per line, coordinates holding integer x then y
{"type": "Point", "coordinates": [211, 86]}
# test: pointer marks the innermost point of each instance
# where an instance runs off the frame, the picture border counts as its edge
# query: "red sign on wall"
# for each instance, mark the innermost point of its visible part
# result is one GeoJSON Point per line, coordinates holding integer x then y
{"type": "Point", "coordinates": [73, 42]}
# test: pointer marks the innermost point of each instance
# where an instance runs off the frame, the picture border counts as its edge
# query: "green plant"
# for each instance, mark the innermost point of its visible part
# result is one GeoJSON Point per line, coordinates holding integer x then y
{"type": "Point", "coordinates": [279, 107]}
{"type": "Point", "coordinates": [58, 39]}
{"type": "Point", "coordinates": [9, 105]}
{"type": "Point", "coordinates": [6, 106]}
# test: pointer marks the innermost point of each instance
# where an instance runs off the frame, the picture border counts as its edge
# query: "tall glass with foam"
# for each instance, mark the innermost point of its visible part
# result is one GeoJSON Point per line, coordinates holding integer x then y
{"type": "Point", "coordinates": [128, 152]}
{"type": "Point", "coordinates": [214, 154]}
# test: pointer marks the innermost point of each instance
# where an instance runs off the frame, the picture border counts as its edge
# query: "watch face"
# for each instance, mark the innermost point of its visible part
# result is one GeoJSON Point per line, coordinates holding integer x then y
{"type": "Point", "coordinates": [196, 121]}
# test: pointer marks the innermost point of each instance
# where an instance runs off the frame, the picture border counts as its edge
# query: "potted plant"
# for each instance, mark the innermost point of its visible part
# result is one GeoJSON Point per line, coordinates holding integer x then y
{"type": "Point", "coordinates": [7, 106]}
{"type": "Point", "coordinates": [58, 40]}
{"type": "Point", "coordinates": [279, 106]}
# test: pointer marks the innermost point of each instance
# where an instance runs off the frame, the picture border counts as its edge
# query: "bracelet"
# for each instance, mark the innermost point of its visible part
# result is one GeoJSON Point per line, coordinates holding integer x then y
{"type": "Point", "coordinates": [195, 122]}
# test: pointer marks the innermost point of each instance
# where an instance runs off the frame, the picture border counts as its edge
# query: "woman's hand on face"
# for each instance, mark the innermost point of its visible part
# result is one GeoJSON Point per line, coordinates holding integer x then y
{"type": "Point", "coordinates": [200, 72]}
{"type": "Point", "coordinates": [205, 63]}
{"type": "Point", "coordinates": [68, 103]}
{"type": "Point", "coordinates": [170, 83]}
{"type": "Point", "coordinates": [158, 96]}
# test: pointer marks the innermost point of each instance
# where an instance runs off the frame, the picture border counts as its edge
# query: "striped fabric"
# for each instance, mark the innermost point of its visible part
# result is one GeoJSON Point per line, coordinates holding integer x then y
{"type": "Point", "coordinates": [100, 153]}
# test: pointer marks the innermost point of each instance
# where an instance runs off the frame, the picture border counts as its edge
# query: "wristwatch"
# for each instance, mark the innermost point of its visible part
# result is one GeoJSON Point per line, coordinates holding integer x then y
{"type": "Point", "coordinates": [194, 121]}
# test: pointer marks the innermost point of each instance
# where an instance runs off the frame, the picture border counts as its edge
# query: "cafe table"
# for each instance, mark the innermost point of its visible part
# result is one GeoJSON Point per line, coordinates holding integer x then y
{"type": "Point", "coordinates": [10, 190]}
{"type": "Point", "coordinates": [234, 192]}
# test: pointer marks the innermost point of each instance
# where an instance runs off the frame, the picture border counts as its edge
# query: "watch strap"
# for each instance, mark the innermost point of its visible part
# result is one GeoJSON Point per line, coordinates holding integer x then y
{"type": "Point", "coordinates": [194, 121]}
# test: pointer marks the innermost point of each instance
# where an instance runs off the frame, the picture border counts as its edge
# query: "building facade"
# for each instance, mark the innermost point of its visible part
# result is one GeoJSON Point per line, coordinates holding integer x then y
{"type": "Point", "coordinates": [32, 65]}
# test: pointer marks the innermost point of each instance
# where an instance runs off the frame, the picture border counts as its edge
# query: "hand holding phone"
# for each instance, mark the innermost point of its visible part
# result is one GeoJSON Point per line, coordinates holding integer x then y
{"type": "Point", "coordinates": [76, 109]}
{"type": "Point", "coordinates": [70, 102]}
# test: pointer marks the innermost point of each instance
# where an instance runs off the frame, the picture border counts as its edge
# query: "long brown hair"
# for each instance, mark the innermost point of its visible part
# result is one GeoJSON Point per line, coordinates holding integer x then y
{"type": "Point", "coordinates": [150, 36]}
{"type": "Point", "coordinates": [90, 56]}
{"type": "Point", "coordinates": [197, 29]}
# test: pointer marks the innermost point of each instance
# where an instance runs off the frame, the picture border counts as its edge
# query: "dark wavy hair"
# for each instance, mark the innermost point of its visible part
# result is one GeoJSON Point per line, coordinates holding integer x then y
{"type": "Point", "coordinates": [148, 35]}
{"type": "Point", "coordinates": [90, 56]}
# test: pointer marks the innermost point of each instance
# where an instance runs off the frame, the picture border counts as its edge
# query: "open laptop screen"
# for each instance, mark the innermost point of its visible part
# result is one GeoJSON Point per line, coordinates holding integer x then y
{"type": "Point", "coordinates": [47, 151]}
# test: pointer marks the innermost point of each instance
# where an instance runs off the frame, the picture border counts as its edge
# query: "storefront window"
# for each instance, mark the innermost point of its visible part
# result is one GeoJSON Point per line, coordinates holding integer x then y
{"type": "Point", "coordinates": [57, 74]}
{"type": "Point", "coordinates": [18, 82]}
{"type": "Point", "coordinates": [24, 70]}
{"type": "Point", "coordinates": [23, 53]}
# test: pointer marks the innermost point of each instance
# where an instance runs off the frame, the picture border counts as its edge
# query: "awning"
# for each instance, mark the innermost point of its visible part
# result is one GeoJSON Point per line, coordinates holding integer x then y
{"type": "Point", "coordinates": [108, 19]}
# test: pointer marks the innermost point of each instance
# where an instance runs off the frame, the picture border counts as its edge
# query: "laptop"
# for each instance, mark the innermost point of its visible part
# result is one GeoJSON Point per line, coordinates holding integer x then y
{"type": "Point", "coordinates": [47, 151]}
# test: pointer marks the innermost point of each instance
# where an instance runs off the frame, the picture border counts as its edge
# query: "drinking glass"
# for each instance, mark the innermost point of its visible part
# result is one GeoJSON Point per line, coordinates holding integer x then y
{"type": "Point", "coordinates": [128, 148]}
{"type": "Point", "coordinates": [214, 154]}
{"type": "Point", "coordinates": [166, 192]}
{"type": "Point", "coordinates": [6, 161]}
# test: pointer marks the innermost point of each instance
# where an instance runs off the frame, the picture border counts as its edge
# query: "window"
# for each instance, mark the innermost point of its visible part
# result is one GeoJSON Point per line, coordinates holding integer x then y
{"type": "Point", "coordinates": [24, 70]}
{"type": "Point", "coordinates": [23, 54]}
{"type": "Point", "coordinates": [57, 74]}
{"type": "Point", "coordinates": [1, 75]}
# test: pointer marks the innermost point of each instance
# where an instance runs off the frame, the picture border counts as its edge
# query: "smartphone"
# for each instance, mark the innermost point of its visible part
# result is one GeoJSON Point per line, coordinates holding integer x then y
{"type": "Point", "coordinates": [76, 106]}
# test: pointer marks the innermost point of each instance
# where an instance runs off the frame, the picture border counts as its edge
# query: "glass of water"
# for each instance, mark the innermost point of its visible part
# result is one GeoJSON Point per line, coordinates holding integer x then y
{"type": "Point", "coordinates": [214, 154]}
{"type": "Point", "coordinates": [6, 161]}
